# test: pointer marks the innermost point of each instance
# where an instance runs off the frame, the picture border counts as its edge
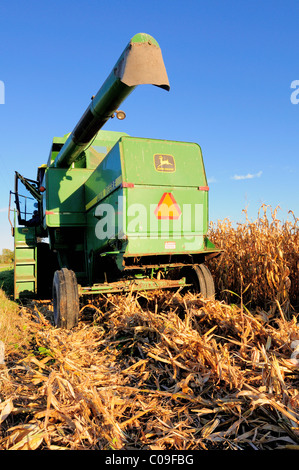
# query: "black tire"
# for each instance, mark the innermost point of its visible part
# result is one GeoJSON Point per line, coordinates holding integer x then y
{"type": "Point", "coordinates": [65, 299]}
{"type": "Point", "coordinates": [201, 279]}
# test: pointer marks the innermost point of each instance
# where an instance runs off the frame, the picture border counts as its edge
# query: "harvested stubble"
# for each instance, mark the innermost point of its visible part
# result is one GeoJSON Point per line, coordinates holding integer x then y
{"type": "Point", "coordinates": [163, 371]}
{"type": "Point", "coordinates": [260, 262]}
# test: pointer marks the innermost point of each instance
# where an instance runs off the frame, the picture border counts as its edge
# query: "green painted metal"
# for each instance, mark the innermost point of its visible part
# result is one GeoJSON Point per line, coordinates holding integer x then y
{"type": "Point", "coordinates": [131, 161]}
{"type": "Point", "coordinates": [25, 262]}
{"type": "Point", "coordinates": [65, 197]}
{"type": "Point", "coordinates": [104, 197]}
{"type": "Point", "coordinates": [144, 38]}
{"type": "Point", "coordinates": [132, 285]}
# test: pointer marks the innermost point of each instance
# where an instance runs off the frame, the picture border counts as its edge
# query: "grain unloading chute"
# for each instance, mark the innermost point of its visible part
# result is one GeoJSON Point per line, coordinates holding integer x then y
{"type": "Point", "coordinates": [140, 63]}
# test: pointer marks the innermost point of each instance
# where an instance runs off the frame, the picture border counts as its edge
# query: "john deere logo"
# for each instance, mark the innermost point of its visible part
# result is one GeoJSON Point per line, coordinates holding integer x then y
{"type": "Point", "coordinates": [164, 163]}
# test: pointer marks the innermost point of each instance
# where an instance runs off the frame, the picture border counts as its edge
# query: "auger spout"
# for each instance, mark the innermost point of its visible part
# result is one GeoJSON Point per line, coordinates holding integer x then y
{"type": "Point", "coordinates": [140, 63]}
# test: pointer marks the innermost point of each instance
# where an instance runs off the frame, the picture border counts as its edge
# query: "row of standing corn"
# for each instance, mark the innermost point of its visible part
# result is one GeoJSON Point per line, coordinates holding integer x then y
{"type": "Point", "coordinates": [260, 262]}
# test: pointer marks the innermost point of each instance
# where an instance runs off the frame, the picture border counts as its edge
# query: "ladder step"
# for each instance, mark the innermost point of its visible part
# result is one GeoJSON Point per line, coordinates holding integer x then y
{"type": "Point", "coordinates": [25, 245]}
{"type": "Point", "coordinates": [25, 278]}
{"type": "Point", "coordinates": [25, 261]}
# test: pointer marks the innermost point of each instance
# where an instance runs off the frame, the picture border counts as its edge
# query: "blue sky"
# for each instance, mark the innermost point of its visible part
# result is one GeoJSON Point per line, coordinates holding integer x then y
{"type": "Point", "coordinates": [230, 66]}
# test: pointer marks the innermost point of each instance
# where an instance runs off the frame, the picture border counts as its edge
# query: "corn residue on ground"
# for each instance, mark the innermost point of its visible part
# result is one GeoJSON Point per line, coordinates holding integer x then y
{"type": "Point", "coordinates": [163, 371]}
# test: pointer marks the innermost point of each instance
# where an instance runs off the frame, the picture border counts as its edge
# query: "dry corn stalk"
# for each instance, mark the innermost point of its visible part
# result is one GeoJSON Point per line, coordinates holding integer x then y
{"type": "Point", "coordinates": [260, 263]}
{"type": "Point", "coordinates": [157, 372]}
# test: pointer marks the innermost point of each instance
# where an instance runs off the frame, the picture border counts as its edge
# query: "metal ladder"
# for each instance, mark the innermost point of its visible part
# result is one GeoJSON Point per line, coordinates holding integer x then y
{"type": "Point", "coordinates": [25, 264]}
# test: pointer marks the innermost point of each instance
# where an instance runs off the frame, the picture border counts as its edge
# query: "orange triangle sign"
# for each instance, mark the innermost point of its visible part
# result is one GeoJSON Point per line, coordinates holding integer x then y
{"type": "Point", "coordinates": [167, 208]}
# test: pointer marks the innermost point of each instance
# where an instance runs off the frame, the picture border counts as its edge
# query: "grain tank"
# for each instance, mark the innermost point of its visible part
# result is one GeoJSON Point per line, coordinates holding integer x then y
{"type": "Point", "coordinates": [114, 213]}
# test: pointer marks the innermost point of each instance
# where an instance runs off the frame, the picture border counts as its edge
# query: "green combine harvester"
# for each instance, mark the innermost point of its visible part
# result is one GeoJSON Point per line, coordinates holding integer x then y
{"type": "Point", "coordinates": [113, 213]}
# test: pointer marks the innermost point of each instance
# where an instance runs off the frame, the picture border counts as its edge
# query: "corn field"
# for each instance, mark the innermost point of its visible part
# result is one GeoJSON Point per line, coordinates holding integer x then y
{"type": "Point", "coordinates": [260, 261]}
{"type": "Point", "coordinates": [165, 370]}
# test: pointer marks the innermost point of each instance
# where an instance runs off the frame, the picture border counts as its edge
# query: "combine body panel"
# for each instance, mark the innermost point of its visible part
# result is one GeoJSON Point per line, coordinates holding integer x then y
{"type": "Point", "coordinates": [128, 179]}
{"type": "Point", "coordinates": [120, 213]}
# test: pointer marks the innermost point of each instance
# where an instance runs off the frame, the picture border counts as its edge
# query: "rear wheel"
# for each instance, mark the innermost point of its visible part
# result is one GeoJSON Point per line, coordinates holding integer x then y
{"type": "Point", "coordinates": [201, 279]}
{"type": "Point", "coordinates": [65, 299]}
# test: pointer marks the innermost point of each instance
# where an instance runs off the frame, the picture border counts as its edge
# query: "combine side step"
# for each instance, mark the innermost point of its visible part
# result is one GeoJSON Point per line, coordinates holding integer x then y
{"type": "Point", "coordinates": [25, 266]}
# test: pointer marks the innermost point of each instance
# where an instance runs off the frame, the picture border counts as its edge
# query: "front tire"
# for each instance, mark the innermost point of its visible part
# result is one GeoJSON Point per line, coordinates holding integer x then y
{"type": "Point", "coordinates": [65, 299]}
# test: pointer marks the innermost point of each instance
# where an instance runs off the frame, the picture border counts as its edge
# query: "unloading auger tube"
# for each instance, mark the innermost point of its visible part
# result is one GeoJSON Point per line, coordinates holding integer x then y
{"type": "Point", "coordinates": [140, 63]}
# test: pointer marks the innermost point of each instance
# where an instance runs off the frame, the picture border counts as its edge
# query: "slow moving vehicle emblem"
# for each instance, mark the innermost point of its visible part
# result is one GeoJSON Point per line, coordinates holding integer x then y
{"type": "Point", "coordinates": [168, 208]}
